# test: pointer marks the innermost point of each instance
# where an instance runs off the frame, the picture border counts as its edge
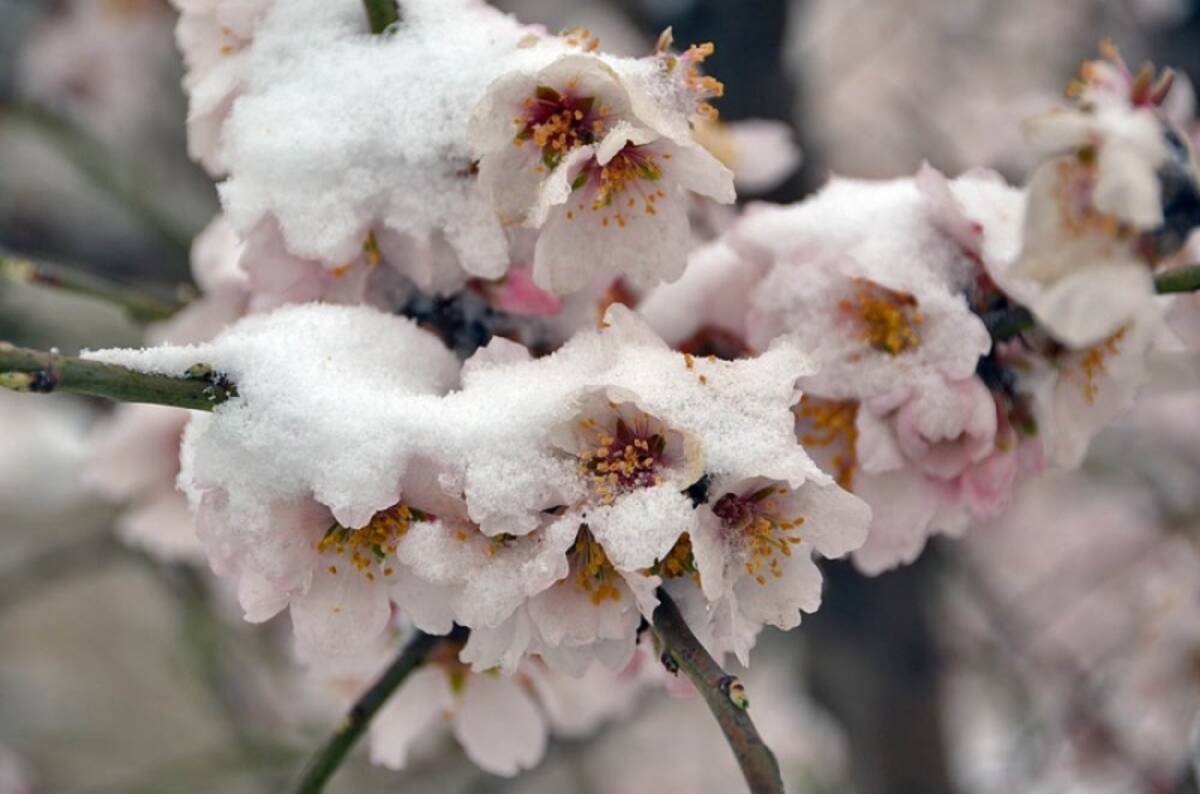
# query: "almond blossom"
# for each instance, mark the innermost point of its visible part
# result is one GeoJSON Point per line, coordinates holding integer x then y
{"type": "Point", "coordinates": [895, 409]}
{"type": "Point", "coordinates": [546, 534]}
{"type": "Point", "coordinates": [423, 179]}
{"type": "Point", "coordinates": [584, 149]}
{"type": "Point", "coordinates": [1096, 222]}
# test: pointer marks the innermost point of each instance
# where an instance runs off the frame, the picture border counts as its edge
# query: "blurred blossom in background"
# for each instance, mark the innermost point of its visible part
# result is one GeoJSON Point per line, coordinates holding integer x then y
{"type": "Point", "coordinates": [1056, 649]}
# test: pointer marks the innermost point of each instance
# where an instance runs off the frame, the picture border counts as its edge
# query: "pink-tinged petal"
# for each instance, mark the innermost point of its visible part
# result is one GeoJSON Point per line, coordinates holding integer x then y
{"type": "Point", "coordinates": [697, 170]}
{"type": "Point", "coordinates": [503, 646]}
{"type": "Point", "coordinates": [946, 210]}
{"type": "Point", "coordinates": [517, 294]}
{"type": "Point", "coordinates": [162, 525]}
{"type": "Point", "coordinates": [711, 555]}
{"type": "Point", "coordinates": [135, 450]}
{"type": "Point", "coordinates": [987, 485]}
{"type": "Point", "coordinates": [835, 522]}
{"type": "Point", "coordinates": [648, 249]}
{"type": "Point", "coordinates": [567, 614]}
{"type": "Point", "coordinates": [765, 153]}
{"type": "Point", "coordinates": [420, 704]}
{"type": "Point", "coordinates": [260, 599]}
{"type": "Point", "coordinates": [430, 606]}
{"type": "Point", "coordinates": [903, 508]}
{"type": "Point", "coordinates": [341, 613]}
{"type": "Point", "coordinates": [876, 445]}
{"type": "Point", "coordinates": [943, 430]}
{"type": "Point", "coordinates": [780, 599]}
{"type": "Point", "coordinates": [499, 726]}
{"type": "Point", "coordinates": [714, 292]}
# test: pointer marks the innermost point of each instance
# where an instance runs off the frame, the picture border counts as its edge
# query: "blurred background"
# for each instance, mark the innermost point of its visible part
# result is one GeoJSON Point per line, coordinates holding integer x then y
{"type": "Point", "coordinates": [1057, 650]}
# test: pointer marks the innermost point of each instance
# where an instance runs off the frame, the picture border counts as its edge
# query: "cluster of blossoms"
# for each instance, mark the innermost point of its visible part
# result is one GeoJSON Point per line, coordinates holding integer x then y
{"type": "Point", "coordinates": [926, 402]}
{"type": "Point", "coordinates": [926, 339]}
{"type": "Point", "coordinates": [467, 127]}
{"type": "Point", "coordinates": [618, 466]}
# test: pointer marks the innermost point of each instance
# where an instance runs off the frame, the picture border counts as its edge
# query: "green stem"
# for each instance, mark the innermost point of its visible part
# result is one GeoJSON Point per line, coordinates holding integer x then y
{"type": "Point", "coordinates": [25, 370]}
{"type": "Point", "coordinates": [141, 306]}
{"type": "Point", "coordinates": [381, 14]}
{"type": "Point", "coordinates": [723, 693]}
{"type": "Point", "coordinates": [331, 755]}
{"type": "Point", "coordinates": [1180, 279]}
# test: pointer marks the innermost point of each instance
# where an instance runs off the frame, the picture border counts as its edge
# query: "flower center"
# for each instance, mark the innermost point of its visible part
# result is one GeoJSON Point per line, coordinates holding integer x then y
{"type": "Point", "coordinates": [625, 458]}
{"type": "Point", "coordinates": [888, 320]}
{"type": "Point", "coordinates": [634, 170]}
{"type": "Point", "coordinates": [831, 423]}
{"type": "Point", "coordinates": [679, 562]}
{"type": "Point", "coordinates": [368, 547]}
{"type": "Point", "coordinates": [768, 537]}
{"type": "Point", "coordinates": [594, 573]}
{"type": "Point", "coordinates": [558, 123]}
{"type": "Point", "coordinates": [1093, 364]}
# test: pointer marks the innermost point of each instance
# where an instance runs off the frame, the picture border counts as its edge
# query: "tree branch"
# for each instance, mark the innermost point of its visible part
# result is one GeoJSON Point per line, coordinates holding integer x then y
{"type": "Point", "coordinates": [141, 306]}
{"type": "Point", "coordinates": [381, 14]}
{"type": "Point", "coordinates": [25, 370]}
{"type": "Point", "coordinates": [723, 693]}
{"type": "Point", "coordinates": [331, 755]}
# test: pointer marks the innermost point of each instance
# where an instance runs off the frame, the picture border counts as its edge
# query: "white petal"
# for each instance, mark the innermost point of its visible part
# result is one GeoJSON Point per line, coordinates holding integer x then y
{"type": "Point", "coordinates": [341, 613]}
{"type": "Point", "coordinates": [417, 706]}
{"type": "Point", "coordinates": [904, 509]}
{"type": "Point", "coordinates": [499, 726]}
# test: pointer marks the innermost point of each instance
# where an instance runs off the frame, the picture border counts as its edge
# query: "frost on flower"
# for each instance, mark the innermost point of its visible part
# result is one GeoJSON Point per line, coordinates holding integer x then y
{"type": "Point", "coordinates": [423, 147]}
{"type": "Point", "coordinates": [877, 279]}
{"type": "Point", "coordinates": [598, 153]}
{"type": "Point", "coordinates": [896, 288]}
{"type": "Point", "coordinates": [1115, 195]}
{"type": "Point", "coordinates": [545, 528]}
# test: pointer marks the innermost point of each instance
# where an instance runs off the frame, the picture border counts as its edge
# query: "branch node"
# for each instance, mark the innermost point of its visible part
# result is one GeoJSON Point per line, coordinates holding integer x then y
{"type": "Point", "coordinates": [732, 688]}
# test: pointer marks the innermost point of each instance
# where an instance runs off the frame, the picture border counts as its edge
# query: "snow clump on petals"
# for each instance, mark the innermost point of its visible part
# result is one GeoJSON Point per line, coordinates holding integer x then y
{"type": "Point", "coordinates": [307, 528]}
{"type": "Point", "coordinates": [895, 410]}
{"type": "Point", "coordinates": [337, 133]}
{"type": "Point", "coordinates": [546, 532]}
{"type": "Point", "coordinates": [431, 140]}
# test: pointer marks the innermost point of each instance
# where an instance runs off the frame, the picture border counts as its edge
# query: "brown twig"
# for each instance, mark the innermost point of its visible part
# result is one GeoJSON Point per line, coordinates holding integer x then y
{"type": "Point", "coordinates": [723, 694]}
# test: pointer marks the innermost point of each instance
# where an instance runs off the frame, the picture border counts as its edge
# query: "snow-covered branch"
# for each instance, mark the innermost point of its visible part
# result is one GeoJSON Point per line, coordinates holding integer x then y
{"type": "Point", "coordinates": [46, 371]}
